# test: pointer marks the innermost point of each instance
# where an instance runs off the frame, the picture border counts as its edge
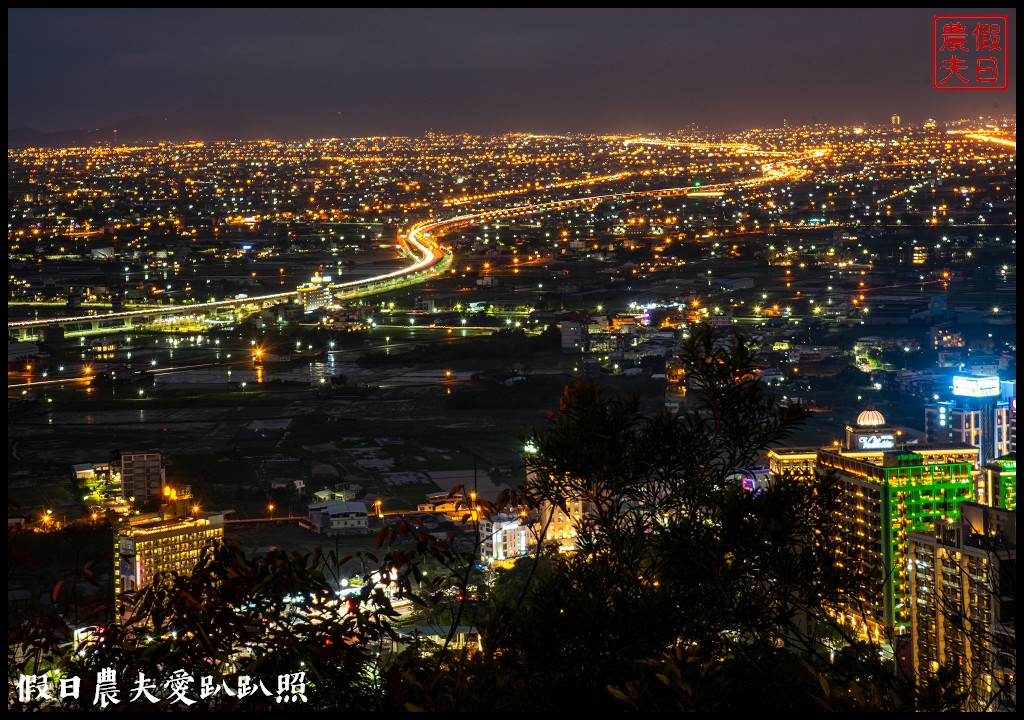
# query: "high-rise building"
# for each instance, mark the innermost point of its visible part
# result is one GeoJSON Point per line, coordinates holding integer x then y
{"type": "Point", "coordinates": [975, 417]}
{"type": "Point", "coordinates": [142, 476]}
{"type": "Point", "coordinates": [889, 488]}
{"type": "Point", "coordinates": [963, 585]}
{"type": "Point", "coordinates": [1013, 423]}
{"type": "Point", "coordinates": [896, 120]}
{"type": "Point", "coordinates": [883, 499]}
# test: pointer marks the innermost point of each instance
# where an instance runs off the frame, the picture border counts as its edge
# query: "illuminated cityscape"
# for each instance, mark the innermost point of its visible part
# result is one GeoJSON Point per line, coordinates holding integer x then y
{"type": "Point", "coordinates": [615, 400]}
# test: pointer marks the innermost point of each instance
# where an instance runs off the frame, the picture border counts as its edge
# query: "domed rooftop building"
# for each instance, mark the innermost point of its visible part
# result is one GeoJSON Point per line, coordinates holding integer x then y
{"type": "Point", "coordinates": [870, 418]}
{"type": "Point", "coordinates": [870, 432]}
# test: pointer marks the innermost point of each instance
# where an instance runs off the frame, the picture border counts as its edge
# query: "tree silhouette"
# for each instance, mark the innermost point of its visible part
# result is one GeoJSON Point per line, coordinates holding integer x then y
{"type": "Point", "coordinates": [682, 592]}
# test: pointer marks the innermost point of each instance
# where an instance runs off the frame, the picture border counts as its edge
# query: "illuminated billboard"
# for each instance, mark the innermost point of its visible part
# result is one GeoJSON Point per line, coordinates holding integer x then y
{"type": "Point", "coordinates": [976, 387]}
{"type": "Point", "coordinates": [877, 442]}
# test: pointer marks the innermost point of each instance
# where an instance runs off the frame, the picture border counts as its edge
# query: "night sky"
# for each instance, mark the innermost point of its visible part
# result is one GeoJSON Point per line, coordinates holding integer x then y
{"type": "Point", "coordinates": [293, 74]}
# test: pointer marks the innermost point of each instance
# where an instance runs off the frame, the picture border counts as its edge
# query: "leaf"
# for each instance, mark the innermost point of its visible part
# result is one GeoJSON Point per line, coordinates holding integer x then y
{"type": "Point", "coordinates": [57, 588]}
{"type": "Point", "coordinates": [381, 534]}
{"type": "Point", "coordinates": [616, 693]}
{"type": "Point", "coordinates": [823, 681]}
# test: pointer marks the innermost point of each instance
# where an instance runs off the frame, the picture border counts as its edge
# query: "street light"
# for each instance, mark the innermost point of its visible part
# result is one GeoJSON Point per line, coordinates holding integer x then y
{"type": "Point", "coordinates": [270, 509]}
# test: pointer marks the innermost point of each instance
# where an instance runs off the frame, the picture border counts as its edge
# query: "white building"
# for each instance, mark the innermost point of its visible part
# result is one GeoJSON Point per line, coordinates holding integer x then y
{"type": "Point", "coordinates": [504, 537]}
{"type": "Point", "coordinates": [340, 518]}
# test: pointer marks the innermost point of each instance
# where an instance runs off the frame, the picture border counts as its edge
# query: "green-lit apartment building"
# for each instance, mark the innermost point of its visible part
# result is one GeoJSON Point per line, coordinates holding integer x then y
{"type": "Point", "coordinates": [889, 489]}
{"type": "Point", "coordinates": [998, 482]}
{"type": "Point", "coordinates": [884, 499]}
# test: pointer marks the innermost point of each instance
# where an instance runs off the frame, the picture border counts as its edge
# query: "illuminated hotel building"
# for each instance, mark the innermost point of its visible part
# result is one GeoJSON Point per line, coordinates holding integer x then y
{"type": "Point", "coordinates": [963, 581]}
{"type": "Point", "coordinates": [884, 498]}
{"type": "Point", "coordinates": [561, 525]}
{"type": "Point", "coordinates": [869, 437]}
{"type": "Point", "coordinates": [168, 541]}
{"type": "Point", "coordinates": [888, 489]}
{"type": "Point", "coordinates": [504, 539]}
{"type": "Point", "coordinates": [798, 461]}
{"type": "Point", "coordinates": [316, 293]}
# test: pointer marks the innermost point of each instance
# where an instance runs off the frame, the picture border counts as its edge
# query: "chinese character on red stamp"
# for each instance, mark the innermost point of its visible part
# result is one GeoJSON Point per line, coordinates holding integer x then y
{"type": "Point", "coordinates": [971, 52]}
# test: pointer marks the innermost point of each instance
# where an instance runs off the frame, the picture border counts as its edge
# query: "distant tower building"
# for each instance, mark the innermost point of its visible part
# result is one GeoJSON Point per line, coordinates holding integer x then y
{"type": "Point", "coordinates": [74, 306]}
{"type": "Point", "coordinates": [142, 476]}
{"type": "Point", "coordinates": [953, 422]}
{"type": "Point", "coordinates": [574, 337]}
{"type": "Point", "coordinates": [963, 584]}
{"type": "Point", "coordinates": [896, 119]}
{"type": "Point", "coordinates": [1013, 423]}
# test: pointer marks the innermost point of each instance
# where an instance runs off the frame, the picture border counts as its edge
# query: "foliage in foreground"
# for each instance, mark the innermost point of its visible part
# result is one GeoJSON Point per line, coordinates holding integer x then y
{"type": "Point", "coordinates": [684, 592]}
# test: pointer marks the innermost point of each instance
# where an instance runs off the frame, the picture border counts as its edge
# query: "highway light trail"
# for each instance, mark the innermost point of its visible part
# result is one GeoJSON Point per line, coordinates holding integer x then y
{"type": "Point", "coordinates": [984, 137]}
{"type": "Point", "coordinates": [432, 258]}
